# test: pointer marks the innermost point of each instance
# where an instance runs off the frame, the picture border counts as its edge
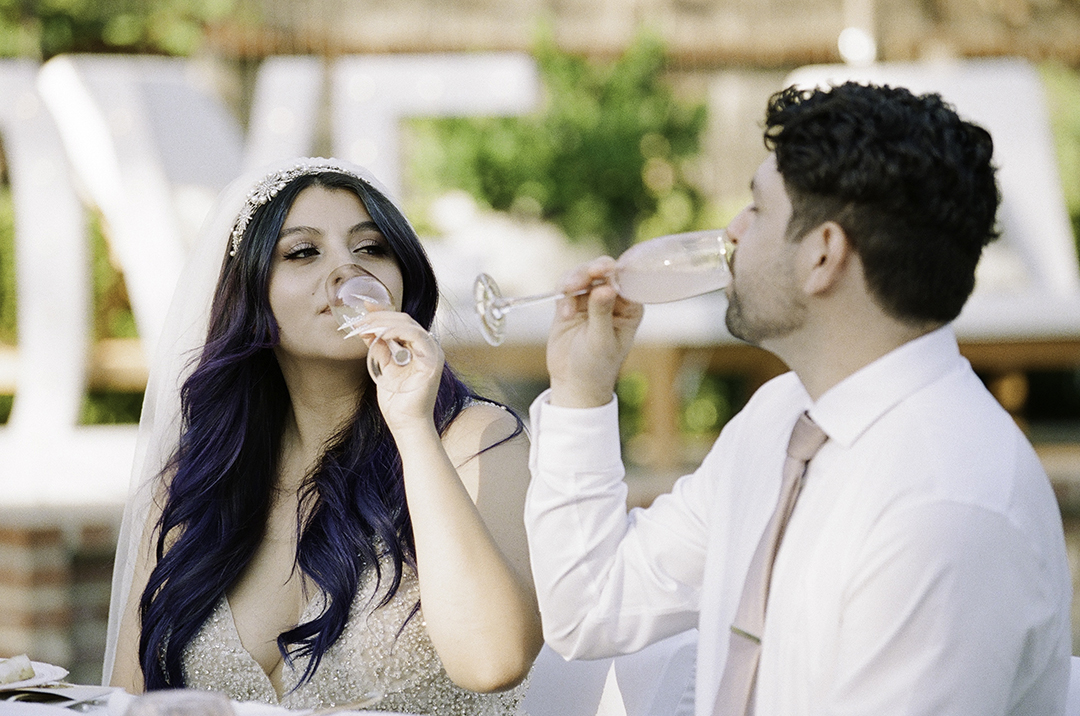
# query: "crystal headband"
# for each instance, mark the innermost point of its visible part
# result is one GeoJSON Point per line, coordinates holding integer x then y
{"type": "Point", "coordinates": [271, 184]}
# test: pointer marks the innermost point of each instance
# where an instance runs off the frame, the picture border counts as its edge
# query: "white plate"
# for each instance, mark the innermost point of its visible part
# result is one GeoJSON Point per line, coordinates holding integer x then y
{"type": "Point", "coordinates": [43, 674]}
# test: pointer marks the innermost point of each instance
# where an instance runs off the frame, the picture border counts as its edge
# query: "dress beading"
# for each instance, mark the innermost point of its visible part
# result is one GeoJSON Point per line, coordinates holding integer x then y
{"type": "Point", "coordinates": [373, 655]}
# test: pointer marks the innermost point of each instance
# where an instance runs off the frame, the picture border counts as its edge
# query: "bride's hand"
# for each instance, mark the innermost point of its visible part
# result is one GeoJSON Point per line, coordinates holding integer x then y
{"type": "Point", "coordinates": [406, 392]}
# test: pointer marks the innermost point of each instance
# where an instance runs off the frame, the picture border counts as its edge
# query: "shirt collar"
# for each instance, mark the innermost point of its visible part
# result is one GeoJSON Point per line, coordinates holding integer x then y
{"type": "Point", "coordinates": [851, 406]}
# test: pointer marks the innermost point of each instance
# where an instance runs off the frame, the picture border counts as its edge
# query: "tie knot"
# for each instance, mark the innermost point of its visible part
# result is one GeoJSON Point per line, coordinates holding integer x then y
{"type": "Point", "coordinates": [806, 439]}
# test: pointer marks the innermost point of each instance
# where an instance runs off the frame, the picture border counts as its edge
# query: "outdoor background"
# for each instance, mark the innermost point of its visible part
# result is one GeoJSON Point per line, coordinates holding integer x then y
{"type": "Point", "coordinates": [649, 123]}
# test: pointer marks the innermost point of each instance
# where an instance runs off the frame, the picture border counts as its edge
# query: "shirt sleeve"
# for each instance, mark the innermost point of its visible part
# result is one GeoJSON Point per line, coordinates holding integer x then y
{"type": "Point", "coordinates": [947, 599]}
{"type": "Point", "coordinates": [608, 582]}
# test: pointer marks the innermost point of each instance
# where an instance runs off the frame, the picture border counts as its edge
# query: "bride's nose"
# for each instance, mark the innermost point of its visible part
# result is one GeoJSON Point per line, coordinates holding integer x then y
{"type": "Point", "coordinates": [338, 253]}
{"type": "Point", "coordinates": [341, 274]}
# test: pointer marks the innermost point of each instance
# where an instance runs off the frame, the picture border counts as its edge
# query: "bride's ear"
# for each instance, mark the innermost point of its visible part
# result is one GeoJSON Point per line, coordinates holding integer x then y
{"type": "Point", "coordinates": [825, 254]}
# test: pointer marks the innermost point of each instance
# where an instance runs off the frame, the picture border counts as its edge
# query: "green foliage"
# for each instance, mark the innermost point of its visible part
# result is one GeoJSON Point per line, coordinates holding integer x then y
{"type": "Point", "coordinates": [43, 28]}
{"type": "Point", "coordinates": [1062, 86]}
{"type": "Point", "coordinates": [631, 390]}
{"type": "Point", "coordinates": [706, 402]}
{"type": "Point", "coordinates": [709, 401]}
{"type": "Point", "coordinates": [604, 159]}
{"type": "Point", "coordinates": [8, 327]}
{"type": "Point", "coordinates": [111, 408]}
{"type": "Point", "coordinates": [112, 309]}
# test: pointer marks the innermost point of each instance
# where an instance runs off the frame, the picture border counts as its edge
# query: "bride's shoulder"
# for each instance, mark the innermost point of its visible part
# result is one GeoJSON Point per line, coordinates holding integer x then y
{"type": "Point", "coordinates": [481, 425]}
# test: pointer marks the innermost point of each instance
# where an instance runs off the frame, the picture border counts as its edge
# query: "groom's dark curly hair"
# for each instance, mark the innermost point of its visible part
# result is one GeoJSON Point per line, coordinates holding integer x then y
{"type": "Point", "coordinates": [911, 183]}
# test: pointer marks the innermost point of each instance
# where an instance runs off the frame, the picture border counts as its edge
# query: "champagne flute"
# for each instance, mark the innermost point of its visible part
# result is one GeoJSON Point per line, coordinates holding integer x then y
{"type": "Point", "coordinates": [353, 293]}
{"type": "Point", "coordinates": [667, 268]}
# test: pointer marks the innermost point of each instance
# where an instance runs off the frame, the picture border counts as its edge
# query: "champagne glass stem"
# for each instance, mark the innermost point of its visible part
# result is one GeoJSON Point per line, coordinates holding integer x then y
{"type": "Point", "coordinates": [501, 306]}
{"type": "Point", "coordinates": [399, 353]}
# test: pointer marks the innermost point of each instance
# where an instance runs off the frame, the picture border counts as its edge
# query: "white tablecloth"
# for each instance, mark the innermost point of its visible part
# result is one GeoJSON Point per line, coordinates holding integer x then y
{"type": "Point", "coordinates": [116, 704]}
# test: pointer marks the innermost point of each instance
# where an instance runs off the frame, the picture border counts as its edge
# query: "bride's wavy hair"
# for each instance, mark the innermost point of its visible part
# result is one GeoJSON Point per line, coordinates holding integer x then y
{"type": "Point", "coordinates": [233, 407]}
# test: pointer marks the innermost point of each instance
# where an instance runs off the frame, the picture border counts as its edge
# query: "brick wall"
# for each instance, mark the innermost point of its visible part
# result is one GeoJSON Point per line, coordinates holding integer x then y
{"type": "Point", "coordinates": [54, 592]}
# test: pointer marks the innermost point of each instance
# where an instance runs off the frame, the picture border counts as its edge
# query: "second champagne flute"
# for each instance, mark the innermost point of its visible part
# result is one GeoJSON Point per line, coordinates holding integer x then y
{"type": "Point", "coordinates": [667, 268]}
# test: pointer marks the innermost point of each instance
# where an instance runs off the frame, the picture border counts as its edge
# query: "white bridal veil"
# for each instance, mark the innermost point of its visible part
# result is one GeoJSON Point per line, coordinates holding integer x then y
{"type": "Point", "coordinates": [181, 338]}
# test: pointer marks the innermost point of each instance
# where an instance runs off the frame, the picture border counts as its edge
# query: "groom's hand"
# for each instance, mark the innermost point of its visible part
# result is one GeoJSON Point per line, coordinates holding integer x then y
{"type": "Point", "coordinates": [590, 337]}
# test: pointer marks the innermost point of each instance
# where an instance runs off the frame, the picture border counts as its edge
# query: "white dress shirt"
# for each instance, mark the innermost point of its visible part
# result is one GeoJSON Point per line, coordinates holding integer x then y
{"type": "Point", "coordinates": [922, 572]}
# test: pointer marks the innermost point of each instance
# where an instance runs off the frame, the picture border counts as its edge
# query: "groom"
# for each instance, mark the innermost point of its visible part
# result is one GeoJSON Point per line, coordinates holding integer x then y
{"type": "Point", "coordinates": [871, 534]}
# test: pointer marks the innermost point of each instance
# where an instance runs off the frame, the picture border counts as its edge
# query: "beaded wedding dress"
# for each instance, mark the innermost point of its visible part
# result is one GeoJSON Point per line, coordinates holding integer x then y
{"type": "Point", "coordinates": [373, 657]}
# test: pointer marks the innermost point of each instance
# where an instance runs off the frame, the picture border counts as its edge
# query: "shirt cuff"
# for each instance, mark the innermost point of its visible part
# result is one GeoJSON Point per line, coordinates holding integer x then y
{"type": "Point", "coordinates": [573, 441]}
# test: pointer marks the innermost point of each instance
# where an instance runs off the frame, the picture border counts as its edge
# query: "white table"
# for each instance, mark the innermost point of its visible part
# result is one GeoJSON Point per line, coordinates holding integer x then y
{"type": "Point", "coordinates": [115, 702]}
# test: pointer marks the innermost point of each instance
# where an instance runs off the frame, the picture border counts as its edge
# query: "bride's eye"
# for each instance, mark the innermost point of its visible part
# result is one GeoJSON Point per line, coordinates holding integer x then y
{"type": "Point", "coordinates": [372, 248]}
{"type": "Point", "coordinates": [300, 251]}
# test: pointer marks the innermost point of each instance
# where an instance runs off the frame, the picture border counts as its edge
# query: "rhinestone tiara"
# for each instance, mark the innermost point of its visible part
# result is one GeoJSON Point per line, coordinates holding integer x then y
{"type": "Point", "coordinates": [268, 187]}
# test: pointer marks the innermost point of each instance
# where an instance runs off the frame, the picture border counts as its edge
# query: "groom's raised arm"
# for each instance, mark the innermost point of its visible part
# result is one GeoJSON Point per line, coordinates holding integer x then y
{"type": "Point", "coordinates": [608, 582]}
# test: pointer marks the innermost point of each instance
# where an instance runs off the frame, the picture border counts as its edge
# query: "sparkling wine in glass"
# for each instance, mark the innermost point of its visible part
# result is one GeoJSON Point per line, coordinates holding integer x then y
{"type": "Point", "coordinates": [667, 268]}
{"type": "Point", "coordinates": [353, 293]}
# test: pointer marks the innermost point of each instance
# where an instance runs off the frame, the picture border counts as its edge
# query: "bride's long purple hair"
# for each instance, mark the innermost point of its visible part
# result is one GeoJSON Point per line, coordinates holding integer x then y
{"type": "Point", "coordinates": [234, 406]}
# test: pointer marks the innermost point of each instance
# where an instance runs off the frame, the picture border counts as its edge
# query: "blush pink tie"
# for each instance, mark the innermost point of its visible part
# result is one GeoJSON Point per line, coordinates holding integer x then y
{"type": "Point", "coordinates": [735, 696]}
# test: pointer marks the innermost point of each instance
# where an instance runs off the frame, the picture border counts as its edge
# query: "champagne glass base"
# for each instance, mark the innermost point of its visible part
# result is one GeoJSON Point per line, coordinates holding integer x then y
{"type": "Point", "coordinates": [487, 295]}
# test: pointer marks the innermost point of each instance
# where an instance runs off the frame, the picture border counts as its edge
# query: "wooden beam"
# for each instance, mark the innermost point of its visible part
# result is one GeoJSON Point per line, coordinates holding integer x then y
{"type": "Point", "coordinates": [1005, 355]}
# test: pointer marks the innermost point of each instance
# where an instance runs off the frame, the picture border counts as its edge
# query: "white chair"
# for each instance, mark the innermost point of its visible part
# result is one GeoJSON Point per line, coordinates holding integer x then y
{"type": "Point", "coordinates": [51, 259]}
{"type": "Point", "coordinates": [284, 109]}
{"type": "Point", "coordinates": [565, 688]}
{"type": "Point", "coordinates": [152, 144]}
{"type": "Point", "coordinates": [1072, 701]}
{"type": "Point", "coordinates": [659, 679]}
{"type": "Point", "coordinates": [48, 458]}
{"type": "Point", "coordinates": [656, 681]}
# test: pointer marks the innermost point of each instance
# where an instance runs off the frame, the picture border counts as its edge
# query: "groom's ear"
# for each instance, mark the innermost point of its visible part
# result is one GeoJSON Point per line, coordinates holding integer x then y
{"type": "Point", "coordinates": [825, 255]}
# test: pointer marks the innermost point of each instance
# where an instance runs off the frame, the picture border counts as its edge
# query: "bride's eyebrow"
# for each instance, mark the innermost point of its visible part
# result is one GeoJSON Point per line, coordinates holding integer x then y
{"type": "Point", "coordinates": [297, 230]}
{"type": "Point", "coordinates": [362, 227]}
{"type": "Point", "coordinates": [365, 226]}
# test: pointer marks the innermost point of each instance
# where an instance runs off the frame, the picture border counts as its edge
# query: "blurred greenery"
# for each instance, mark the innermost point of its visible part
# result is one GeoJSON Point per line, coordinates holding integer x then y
{"type": "Point", "coordinates": [112, 309]}
{"type": "Point", "coordinates": [707, 401]}
{"type": "Point", "coordinates": [606, 158]}
{"type": "Point", "coordinates": [1054, 396]}
{"type": "Point", "coordinates": [112, 315]}
{"type": "Point", "coordinates": [1062, 86]}
{"type": "Point", "coordinates": [609, 156]}
{"type": "Point", "coordinates": [631, 390]}
{"type": "Point", "coordinates": [113, 318]}
{"type": "Point", "coordinates": [110, 407]}
{"type": "Point", "coordinates": [43, 28]}
{"type": "Point", "coordinates": [8, 329]}
{"type": "Point", "coordinates": [710, 401]}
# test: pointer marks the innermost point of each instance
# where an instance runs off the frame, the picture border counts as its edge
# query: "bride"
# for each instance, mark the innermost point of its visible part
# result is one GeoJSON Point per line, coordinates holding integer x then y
{"type": "Point", "coordinates": [296, 533]}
